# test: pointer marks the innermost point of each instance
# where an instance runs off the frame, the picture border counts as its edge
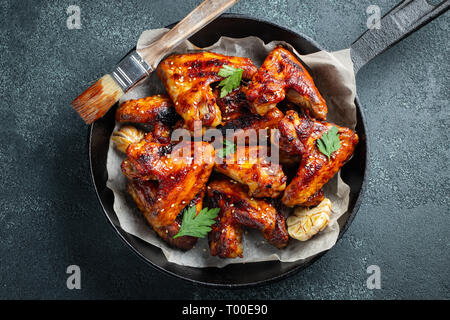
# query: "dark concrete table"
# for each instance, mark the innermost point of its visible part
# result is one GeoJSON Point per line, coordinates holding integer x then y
{"type": "Point", "coordinates": [50, 217]}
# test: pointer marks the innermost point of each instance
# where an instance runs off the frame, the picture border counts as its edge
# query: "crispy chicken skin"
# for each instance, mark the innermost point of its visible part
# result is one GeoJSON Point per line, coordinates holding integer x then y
{"type": "Point", "coordinates": [233, 106]}
{"type": "Point", "coordinates": [293, 133]}
{"type": "Point", "coordinates": [239, 209]}
{"type": "Point", "coordinates": [251, 166]}
{"type": "Point", "coordinates": [315, 169]}
{"type": "Point", "coordinates": [145, 195]}
{"type": "Point", "coordinates": [236, 113]}
{"type": "Point", "coordinates": [160, 133]}
{"type": "Point", "coordinates": [187, 79]}
{"type": "Point", "coordinates": [180, 177]}
{"type": "Point", "coordinates": [148, 110]}
{"type": "Point", "coordinates": [314, 199]}
{"type": "Point", "coordinates": [282, 75]}
{"type": "Point", "coordinates": [246, 122]}
{"type": "Point", "coordinates": [225, 238]}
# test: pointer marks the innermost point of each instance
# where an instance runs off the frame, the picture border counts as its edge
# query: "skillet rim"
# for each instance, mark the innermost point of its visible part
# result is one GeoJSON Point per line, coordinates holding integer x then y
{"type": "Point", "coordinates": [359, 198]}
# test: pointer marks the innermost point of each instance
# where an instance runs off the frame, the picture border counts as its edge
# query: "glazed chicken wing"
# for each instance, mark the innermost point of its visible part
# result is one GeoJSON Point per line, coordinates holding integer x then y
{"type": "Point", "coordinates": [315, 168]}
{"type": "Point", "coordinates": [282, 75]}
{"type": "Point", "coordinates": [145, 195]}
{"type": "Point", "coordinates": [251, 166]}
{"type": "Point", "coordinates": [225, 238]}
{"type": "Point", "coordinates": [239, 209]}
{"type": "Point", "coordinates": [236, 114]}
{"type": "Point", "coordinates": [187, 79]}
{"type": "Point", "coordinates": [181, 171]}
{"type": "Point", "coordinates": [148, 110]}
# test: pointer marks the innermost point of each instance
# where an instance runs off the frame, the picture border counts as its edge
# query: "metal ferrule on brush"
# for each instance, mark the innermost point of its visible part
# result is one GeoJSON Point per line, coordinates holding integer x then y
{"type": "Point", "coordinates": [130, 71]}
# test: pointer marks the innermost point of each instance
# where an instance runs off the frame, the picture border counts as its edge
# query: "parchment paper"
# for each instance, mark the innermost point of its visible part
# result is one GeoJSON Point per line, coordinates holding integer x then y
{"type": "Point", "coordinates": [333, 75]}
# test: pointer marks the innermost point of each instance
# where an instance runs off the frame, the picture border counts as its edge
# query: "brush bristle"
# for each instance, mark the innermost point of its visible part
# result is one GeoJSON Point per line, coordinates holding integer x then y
{"type": "Point", "coordinates": [98, 99]}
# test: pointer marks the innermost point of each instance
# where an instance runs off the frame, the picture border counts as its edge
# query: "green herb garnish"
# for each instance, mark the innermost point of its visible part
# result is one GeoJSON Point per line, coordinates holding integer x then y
{"type": "Point", "coordinates": [228, 148]}
{"type": "Point", "coordinates": [197, 225]}
{"type": "Point", "coordinates": [232, 79]}
{"type": "Point", "coordinates": [329, 142]}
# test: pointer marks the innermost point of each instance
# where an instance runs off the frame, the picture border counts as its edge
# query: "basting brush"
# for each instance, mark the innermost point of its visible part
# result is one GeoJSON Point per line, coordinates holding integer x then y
{"type": "Point", "coordinates": [102, 95]}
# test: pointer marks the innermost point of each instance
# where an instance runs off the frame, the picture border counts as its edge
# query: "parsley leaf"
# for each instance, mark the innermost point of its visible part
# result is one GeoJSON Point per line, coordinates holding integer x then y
{"type": "Point", "coordinates": [229, 148]}
{"type": "Point", "coordinates": [232, 79]}
{"type": "Point", "coordinates": [197, 225]}
{"type": "Point", "coordinates": [329, 142]}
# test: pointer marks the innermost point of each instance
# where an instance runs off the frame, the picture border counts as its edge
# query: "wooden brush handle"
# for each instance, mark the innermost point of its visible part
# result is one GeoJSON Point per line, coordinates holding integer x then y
{"type": "Point", "coordinates": [206, 12]}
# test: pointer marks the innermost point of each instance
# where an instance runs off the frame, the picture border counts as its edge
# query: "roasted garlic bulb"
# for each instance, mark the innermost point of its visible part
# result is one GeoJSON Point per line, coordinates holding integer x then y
{"type": "Point", "coordinates": [125, 136]}
{"type": "Point", "coordinates": [305, 222]}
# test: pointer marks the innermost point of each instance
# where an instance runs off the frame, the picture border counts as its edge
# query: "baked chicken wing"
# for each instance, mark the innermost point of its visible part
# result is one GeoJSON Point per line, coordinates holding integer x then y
{"type": "Point", "coordinates": [160, 133]}
{"type": "Point", "coordinates": [315, 168]}
{"type": "Point", "coordinates": [181, 171]}
{"type": "Point", "coordinates": [236, 114]}
{"type": "Point", "coordinates": [252, 167]}
{"type": "Point", "coordinates": [187, 79]}
{"type": "Point", "coordinates": [225, 238]}
{"type": "Point", "coordinates": [239, 209]}
{"type": "Point", "coordinates": [282, 75]}
{"type": "Point", "coordinates": [148, 110]}
{"type": "Point", "coordinates": [145, 195]}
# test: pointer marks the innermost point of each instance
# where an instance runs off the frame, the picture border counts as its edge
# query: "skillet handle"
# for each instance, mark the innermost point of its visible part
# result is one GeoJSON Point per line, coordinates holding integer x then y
{"type": "Point", "coordinates": [407, 17]}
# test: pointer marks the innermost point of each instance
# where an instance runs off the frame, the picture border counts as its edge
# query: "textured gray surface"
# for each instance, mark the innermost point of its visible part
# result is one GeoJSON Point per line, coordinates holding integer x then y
{"type": "Point", "coordinates": [50, 217]}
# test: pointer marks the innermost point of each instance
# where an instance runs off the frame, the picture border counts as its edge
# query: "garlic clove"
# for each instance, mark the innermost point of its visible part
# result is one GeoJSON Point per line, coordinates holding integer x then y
{"type": "Point", "coordinates": [305, 223]}
{"type": "Point", "coordinates": [125, 136]}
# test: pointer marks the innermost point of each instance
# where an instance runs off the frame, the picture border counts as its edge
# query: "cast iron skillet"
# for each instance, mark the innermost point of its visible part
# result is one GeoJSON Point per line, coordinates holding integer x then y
{"type": "Point", "coordinates": [397, 24]}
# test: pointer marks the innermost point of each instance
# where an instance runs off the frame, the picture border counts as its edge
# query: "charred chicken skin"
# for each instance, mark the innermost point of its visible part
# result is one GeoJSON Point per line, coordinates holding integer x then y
{"type": "Point", "coordinates": [225, 238]}
{"type": "Point", "coordinates": [148, 110]}
{"type": "Point", "coordinates": [180, 176]}
{"type": "Point", "coordinates": [252, 167]}
{"type": "Point", "coordinates": [160, 133]}
{"type": "Point", "coordinates": [236, 114]}
{"type": "Point", "coordinates": [241, 126]}
{"type": "Point", "coordinates": [282, 75]}
{"type": "Point", "coordinates": [187, 79]}
{"type": "Point", "coordinates": [315, 168]}
{"type": "Point", "coordinates": [232, 106]}
{"type": "Point", "coordinates": [237, 209]}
